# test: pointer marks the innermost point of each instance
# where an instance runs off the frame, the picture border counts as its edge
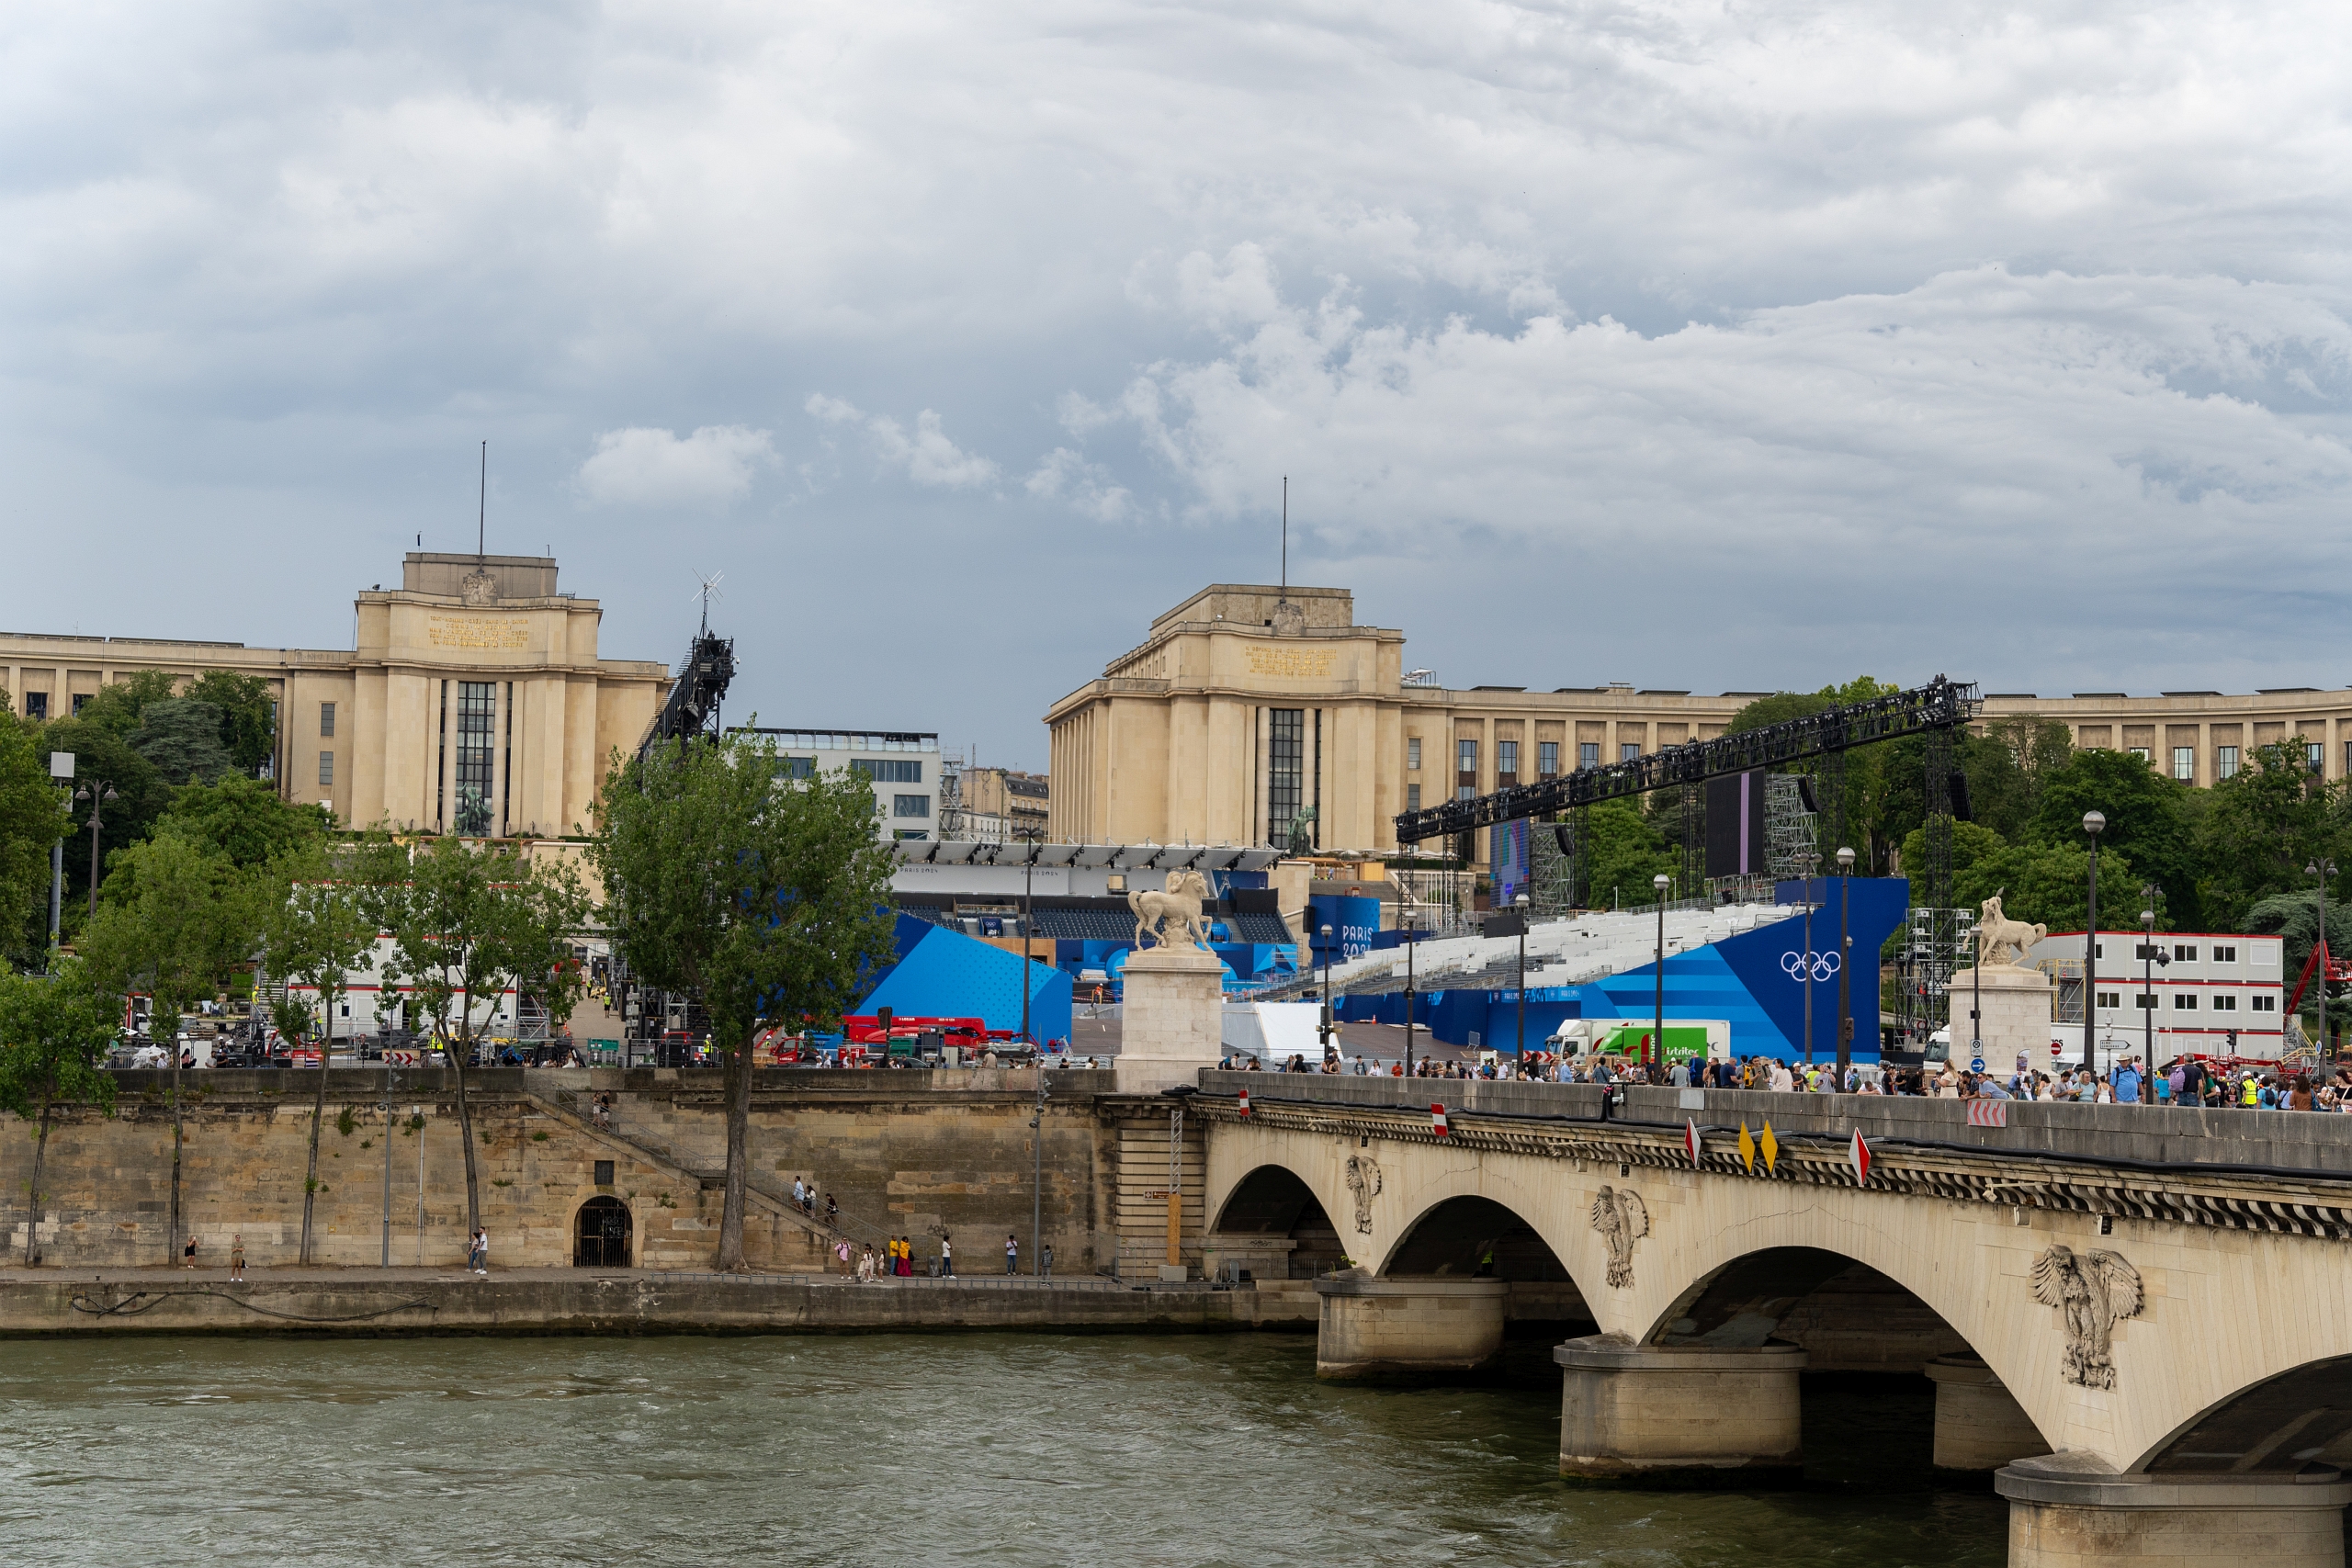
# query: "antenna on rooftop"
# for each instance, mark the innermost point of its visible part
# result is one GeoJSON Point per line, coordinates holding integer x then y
{"type": "Point", "coordinates": [707, 592]}
{"type": "Point", "coordinates": [481, 514]}
{"type": "Point", "coordinates": [1284, 592]}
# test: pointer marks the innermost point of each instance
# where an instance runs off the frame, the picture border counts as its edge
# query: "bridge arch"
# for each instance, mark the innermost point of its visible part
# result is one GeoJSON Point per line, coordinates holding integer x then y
{"type": "Point", "coordinates": [1271, 1204]}
{"type": "Point", "coordinates": [2298, 1417]}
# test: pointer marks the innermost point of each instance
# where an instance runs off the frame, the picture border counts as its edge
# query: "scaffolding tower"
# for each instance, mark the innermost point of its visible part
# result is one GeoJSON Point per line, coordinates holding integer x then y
{"type": "Point", "coordinates": [1791, 832]}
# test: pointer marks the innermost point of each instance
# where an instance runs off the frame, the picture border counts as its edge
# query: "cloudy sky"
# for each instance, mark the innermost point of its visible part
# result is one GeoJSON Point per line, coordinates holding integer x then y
{"type": "Point", "coordinates": [1706, 345]}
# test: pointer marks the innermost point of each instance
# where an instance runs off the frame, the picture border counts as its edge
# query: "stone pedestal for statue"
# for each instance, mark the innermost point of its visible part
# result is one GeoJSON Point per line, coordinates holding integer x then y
{"type": "Point", "coordinates": [1171, 1018]}
{"type": "Point", "coordinates": [1679, 1417]}
{"type": "Point", "coordinates": [2064, 1513]}
{"type": "Point", "coordinates": [2015, 1016]}
{"type": "Point", "coordinates": [1979, 1424]}
{"type": "Point", "coordinates": [1386, 1328]}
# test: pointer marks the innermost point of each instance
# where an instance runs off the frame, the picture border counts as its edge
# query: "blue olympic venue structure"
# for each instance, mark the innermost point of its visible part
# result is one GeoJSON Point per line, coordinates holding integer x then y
{"type": "Point", "coordinates": [1755, 980]}
{"type": "Point", "coordinates": [941, 972]}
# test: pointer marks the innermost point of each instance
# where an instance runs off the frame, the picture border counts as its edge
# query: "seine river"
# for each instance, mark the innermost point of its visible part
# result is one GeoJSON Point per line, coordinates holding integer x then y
{"type": "Point", "coordinates": [894, 1451]}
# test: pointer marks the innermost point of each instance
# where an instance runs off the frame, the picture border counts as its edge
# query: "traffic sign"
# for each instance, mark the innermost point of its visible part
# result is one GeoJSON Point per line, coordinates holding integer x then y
{"type": "Point", "coordinates": [1976, 1064]}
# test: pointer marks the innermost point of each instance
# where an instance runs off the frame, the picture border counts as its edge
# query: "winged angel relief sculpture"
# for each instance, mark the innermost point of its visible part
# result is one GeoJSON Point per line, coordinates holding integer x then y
{"type": "Point", "coordinates": [1364, 1185]}
{"type": "Point", "coordinates": [1623, 1219]}
{"type": "Point", "coordinates": [2096, 1291]}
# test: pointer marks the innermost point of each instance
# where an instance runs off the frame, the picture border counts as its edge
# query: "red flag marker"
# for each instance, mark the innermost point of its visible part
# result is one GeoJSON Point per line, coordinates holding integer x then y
{"type": "Point", "coordinates": [1860, 1155]}
{"type": "Point", "coordinates": [1690, 1142]}
{"type": "Point", "coordinates": [1437, 1120]}
{"type": "Point", "coordinates": [1245, 1102]}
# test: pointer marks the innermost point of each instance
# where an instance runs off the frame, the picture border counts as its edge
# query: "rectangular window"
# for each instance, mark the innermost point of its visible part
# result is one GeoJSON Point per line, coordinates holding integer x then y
{"type": "Point", "coordinates": [2109, 1001]}
{"type": "Point", "coordinates": [1506, 761]}
{"type": "Point", "coordinates": [2185, 953]}
{"type": "Point", "coordinates": [1466, 792]}
{"type": "Point", "coordinates": [911, 805]}
{"type": "Point", "coordinates": [1412, 797]}
{"type": "Point", "coordinates": [2143, 950]}
{"type": "Point", "coordinates": [2146, 1001]}
{"type": "Point", "coordinates": [2226, 954]}
{"type": "Point", "coordinates": [2314, 758]}
{"type": "Point", "coordinates": [2225, 762]}
{"type": "Point", "coordinates": [603, 1173]}
{"type": "Point", "coordinates": [1465, 759]}
{"type": "Point", "coordinates": [1413, 754]}
{"type": "Point", "coordinates": [1547, 757]}
{"type": "Point", "coordinates": [2184, 1001]}
{"type": "Point", "coordinates": [2225, 1002]}
{"type": "Point", "coordinates": [905, 833]}
{"type": "Point", "coordinates": [1286, 757]}
{"type": "Point", "coordinates": [81, 701]}
{"type": "Point", "coordinates": [326, 720]}
{"type": "Point", "coordinates": [2184, 763]}
{"type": "Point", "coordinates": [36, 705]}
{"type": "Point", "coordinates": [796, 767]}
{"type": "Point", "coordinates": [2139, 751]}
{"type": "Point", "coordinates": [887, 770]}
{"type": "Point", "coordinates": [1587, 753]}
{"type": "Point", "coordinates": [2099, 950]}
{"type": "Point", "coordinates": [1629, 751]}
{"type": "Point", "coordinates": [2265, 1004]}
{"type": "Point", "coordinates": [326, 768]}
{"type": "Point", "coordinates": [477, 717]}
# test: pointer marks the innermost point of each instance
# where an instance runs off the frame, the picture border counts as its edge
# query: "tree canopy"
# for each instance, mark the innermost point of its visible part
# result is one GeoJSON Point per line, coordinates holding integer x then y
{"type": "Point", "coordinates": [180, 737]}
{"type": "Point", "coordinates": [768, 897]}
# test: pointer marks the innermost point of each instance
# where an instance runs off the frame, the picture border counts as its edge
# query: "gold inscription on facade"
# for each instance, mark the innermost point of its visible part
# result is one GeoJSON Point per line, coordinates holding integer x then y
{"type": "Point", "coordinates": [1294, 662]}
{"type": "Point", "coordinates": [477, 631]}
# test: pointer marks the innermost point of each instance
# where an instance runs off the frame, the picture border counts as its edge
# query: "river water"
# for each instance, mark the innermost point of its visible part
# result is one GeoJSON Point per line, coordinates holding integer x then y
{"type": "Point", "coordinates": [896, 1452]}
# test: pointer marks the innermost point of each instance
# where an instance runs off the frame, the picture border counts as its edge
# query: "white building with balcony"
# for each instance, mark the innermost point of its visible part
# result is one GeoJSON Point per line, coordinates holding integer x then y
{"type": "Point", "coordinates": [903, 768]}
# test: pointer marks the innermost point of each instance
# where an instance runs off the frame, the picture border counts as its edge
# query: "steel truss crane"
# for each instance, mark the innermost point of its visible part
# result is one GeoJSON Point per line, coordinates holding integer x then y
{"type": "Point", "coordinates": [1938, 707]}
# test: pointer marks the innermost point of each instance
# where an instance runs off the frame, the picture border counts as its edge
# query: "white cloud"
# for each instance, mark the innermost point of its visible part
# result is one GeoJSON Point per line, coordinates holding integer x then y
{"type": "Point", "coordinates": [646, 468]}
{"type": "Point", "coordinates": [928, 457]}
{"type": "Point", "coordinates": [1087, 487]}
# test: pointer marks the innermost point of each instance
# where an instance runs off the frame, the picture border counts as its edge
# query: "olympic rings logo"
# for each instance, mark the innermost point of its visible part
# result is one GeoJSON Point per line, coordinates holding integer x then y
{"type": "Point", "coordinates": [1822, 964]}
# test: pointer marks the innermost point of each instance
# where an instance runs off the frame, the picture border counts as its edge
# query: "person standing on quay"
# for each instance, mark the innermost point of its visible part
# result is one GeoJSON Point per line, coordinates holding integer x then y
{"type": "Point", "coordinates": [947, 1255]}
{"type": "Point", "coordinates": [1045, 1261]}
{"type": "Point", "coordinates": [1012, 1255]}
{"type": "Point", "coordinates": [237, 1258]}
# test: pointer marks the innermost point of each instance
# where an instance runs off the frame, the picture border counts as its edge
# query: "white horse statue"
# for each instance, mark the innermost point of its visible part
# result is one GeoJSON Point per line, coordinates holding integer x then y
{"type": "Point", "coordinates": [2000, 940]}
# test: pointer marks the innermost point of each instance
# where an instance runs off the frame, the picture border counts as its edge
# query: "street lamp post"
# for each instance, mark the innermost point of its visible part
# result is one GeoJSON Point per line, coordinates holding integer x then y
{"type": "Point", "coordinates": [1413, 930]}
{"type": "Point", "coordinates": [2321, 869]}
{"type": "Point", "coordinates": [1330, 1020]}
{"type": "Point", "coordinates": [1845, 965]}
{"type": "Point", "coordinates": [2148, 962]}
{"type": "Point", "coordinates": [1037, 1175]}
{"type": "Point", "coordinates": [1520, 904]}
{"type": "Point", "coordinates": [2093, 823]}
{"type": "Point", "coordinates": [1658, 1032]}
{"type": "Point", "coordinates": [1028, 919]}
{"type": "Point", "coordinates": [1808, 959]}
{"type": "Point", "coordinates": [97, 792]}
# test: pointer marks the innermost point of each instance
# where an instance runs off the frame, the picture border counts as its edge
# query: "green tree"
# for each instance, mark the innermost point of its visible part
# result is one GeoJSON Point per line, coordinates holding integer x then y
{"type": "Point", "coordinates": [2147, 814]}
{"type": "Point", "coordinates": [765, 898]}
{"type": "Point", "coordinates": [2294, 917]}
{"type": "Point", "coordinates": [54, 1031]}
{"type": "Point", "coordinates": [1623, 851]}
{"type": "Point", "coordinates": [181, 737]}
{"type": "Point", "coordinates": [248, 717]}
{"type": "Point", "coordinates": [103, 758]}
{"type": "Point", "coordinates": [117, 708]}
{"type": "Point", "coordinates": [173, 917]}
{"type": "Point", "coordinates": [2262, 826]}
{"type": "Point", "coordinates": [467, 921]}
{"type": "Point", "coordinates": [245, 819]}
{"type": "Point", "coordinates": [30, 821]}
{"type": "Point", "coordinates": [319, 929]}
{"type": "Point", "coordinates": [2048, 883]}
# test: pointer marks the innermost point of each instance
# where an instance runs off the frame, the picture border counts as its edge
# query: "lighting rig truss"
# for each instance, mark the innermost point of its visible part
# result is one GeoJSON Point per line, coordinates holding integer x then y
{"type": "Point", "coordinates": [1941, 704]}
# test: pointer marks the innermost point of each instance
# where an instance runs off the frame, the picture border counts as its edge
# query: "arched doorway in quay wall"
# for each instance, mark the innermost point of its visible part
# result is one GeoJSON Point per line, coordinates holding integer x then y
{"type": "Point", "coordinates": [600, 1234]}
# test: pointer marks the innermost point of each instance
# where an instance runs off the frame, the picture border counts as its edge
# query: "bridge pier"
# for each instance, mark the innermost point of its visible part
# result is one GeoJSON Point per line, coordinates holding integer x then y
{"type": "Point", "coordinates": [2062, 1517]}
{"type": "Point", "coordinates": [1697, 1415]}
{"type": "Point", "coordinates": [1383, 1327]}
{"type": "Point", "coordinates": [1980, 1425]}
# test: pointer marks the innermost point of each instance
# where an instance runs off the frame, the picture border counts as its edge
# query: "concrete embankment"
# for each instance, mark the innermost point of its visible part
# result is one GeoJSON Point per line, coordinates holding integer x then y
{"type": "Point", "coordinates": [396, 1303]}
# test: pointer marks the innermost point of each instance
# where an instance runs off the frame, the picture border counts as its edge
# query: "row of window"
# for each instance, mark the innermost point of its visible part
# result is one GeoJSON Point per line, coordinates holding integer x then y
{"type": "Point", "coordinates": [2188, 1001]}
{"type": "Point", "coordinates": [1547, 756]}
{"type": "Point", "coordinates": [2226, 760]}
{"type": "Point", "coordinates": [2181, 952]}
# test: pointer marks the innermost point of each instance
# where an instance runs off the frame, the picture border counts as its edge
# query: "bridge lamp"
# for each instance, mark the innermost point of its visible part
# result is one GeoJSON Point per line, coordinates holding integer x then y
{"type": "Point", "coordinates": [2321, 869]}
{"type": "Point", "coordinates": [1520, 904]}
{"type": "Point", "coordinates": [1329, 1019]}
{"type": "Point", "coordinates": [2148, 986]}
{"type": "Point", "coordinates": [1845, 965]}
{"type": "Point", "coordinates": [1658, 1033]}
{"type": "Point", "coordinates": [2094, 823]}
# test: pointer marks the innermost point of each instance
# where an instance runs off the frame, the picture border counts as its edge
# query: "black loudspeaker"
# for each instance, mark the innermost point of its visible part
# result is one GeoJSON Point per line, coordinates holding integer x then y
{"type": "Point", "coordinates": [1804, 792]}
{"type": "Point", "coordinates": [1958, 786]}
{"type": "Point", "coordinates": [1560, 836]}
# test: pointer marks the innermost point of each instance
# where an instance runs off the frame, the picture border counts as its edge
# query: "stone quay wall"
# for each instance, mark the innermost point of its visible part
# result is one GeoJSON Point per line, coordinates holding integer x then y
{"type": "Point", "coordinates": [918, 1154]}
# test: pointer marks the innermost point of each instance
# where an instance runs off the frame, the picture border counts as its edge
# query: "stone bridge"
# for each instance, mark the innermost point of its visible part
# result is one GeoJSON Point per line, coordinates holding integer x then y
{"type": "Point", "coordinates": [2142, 1318]}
